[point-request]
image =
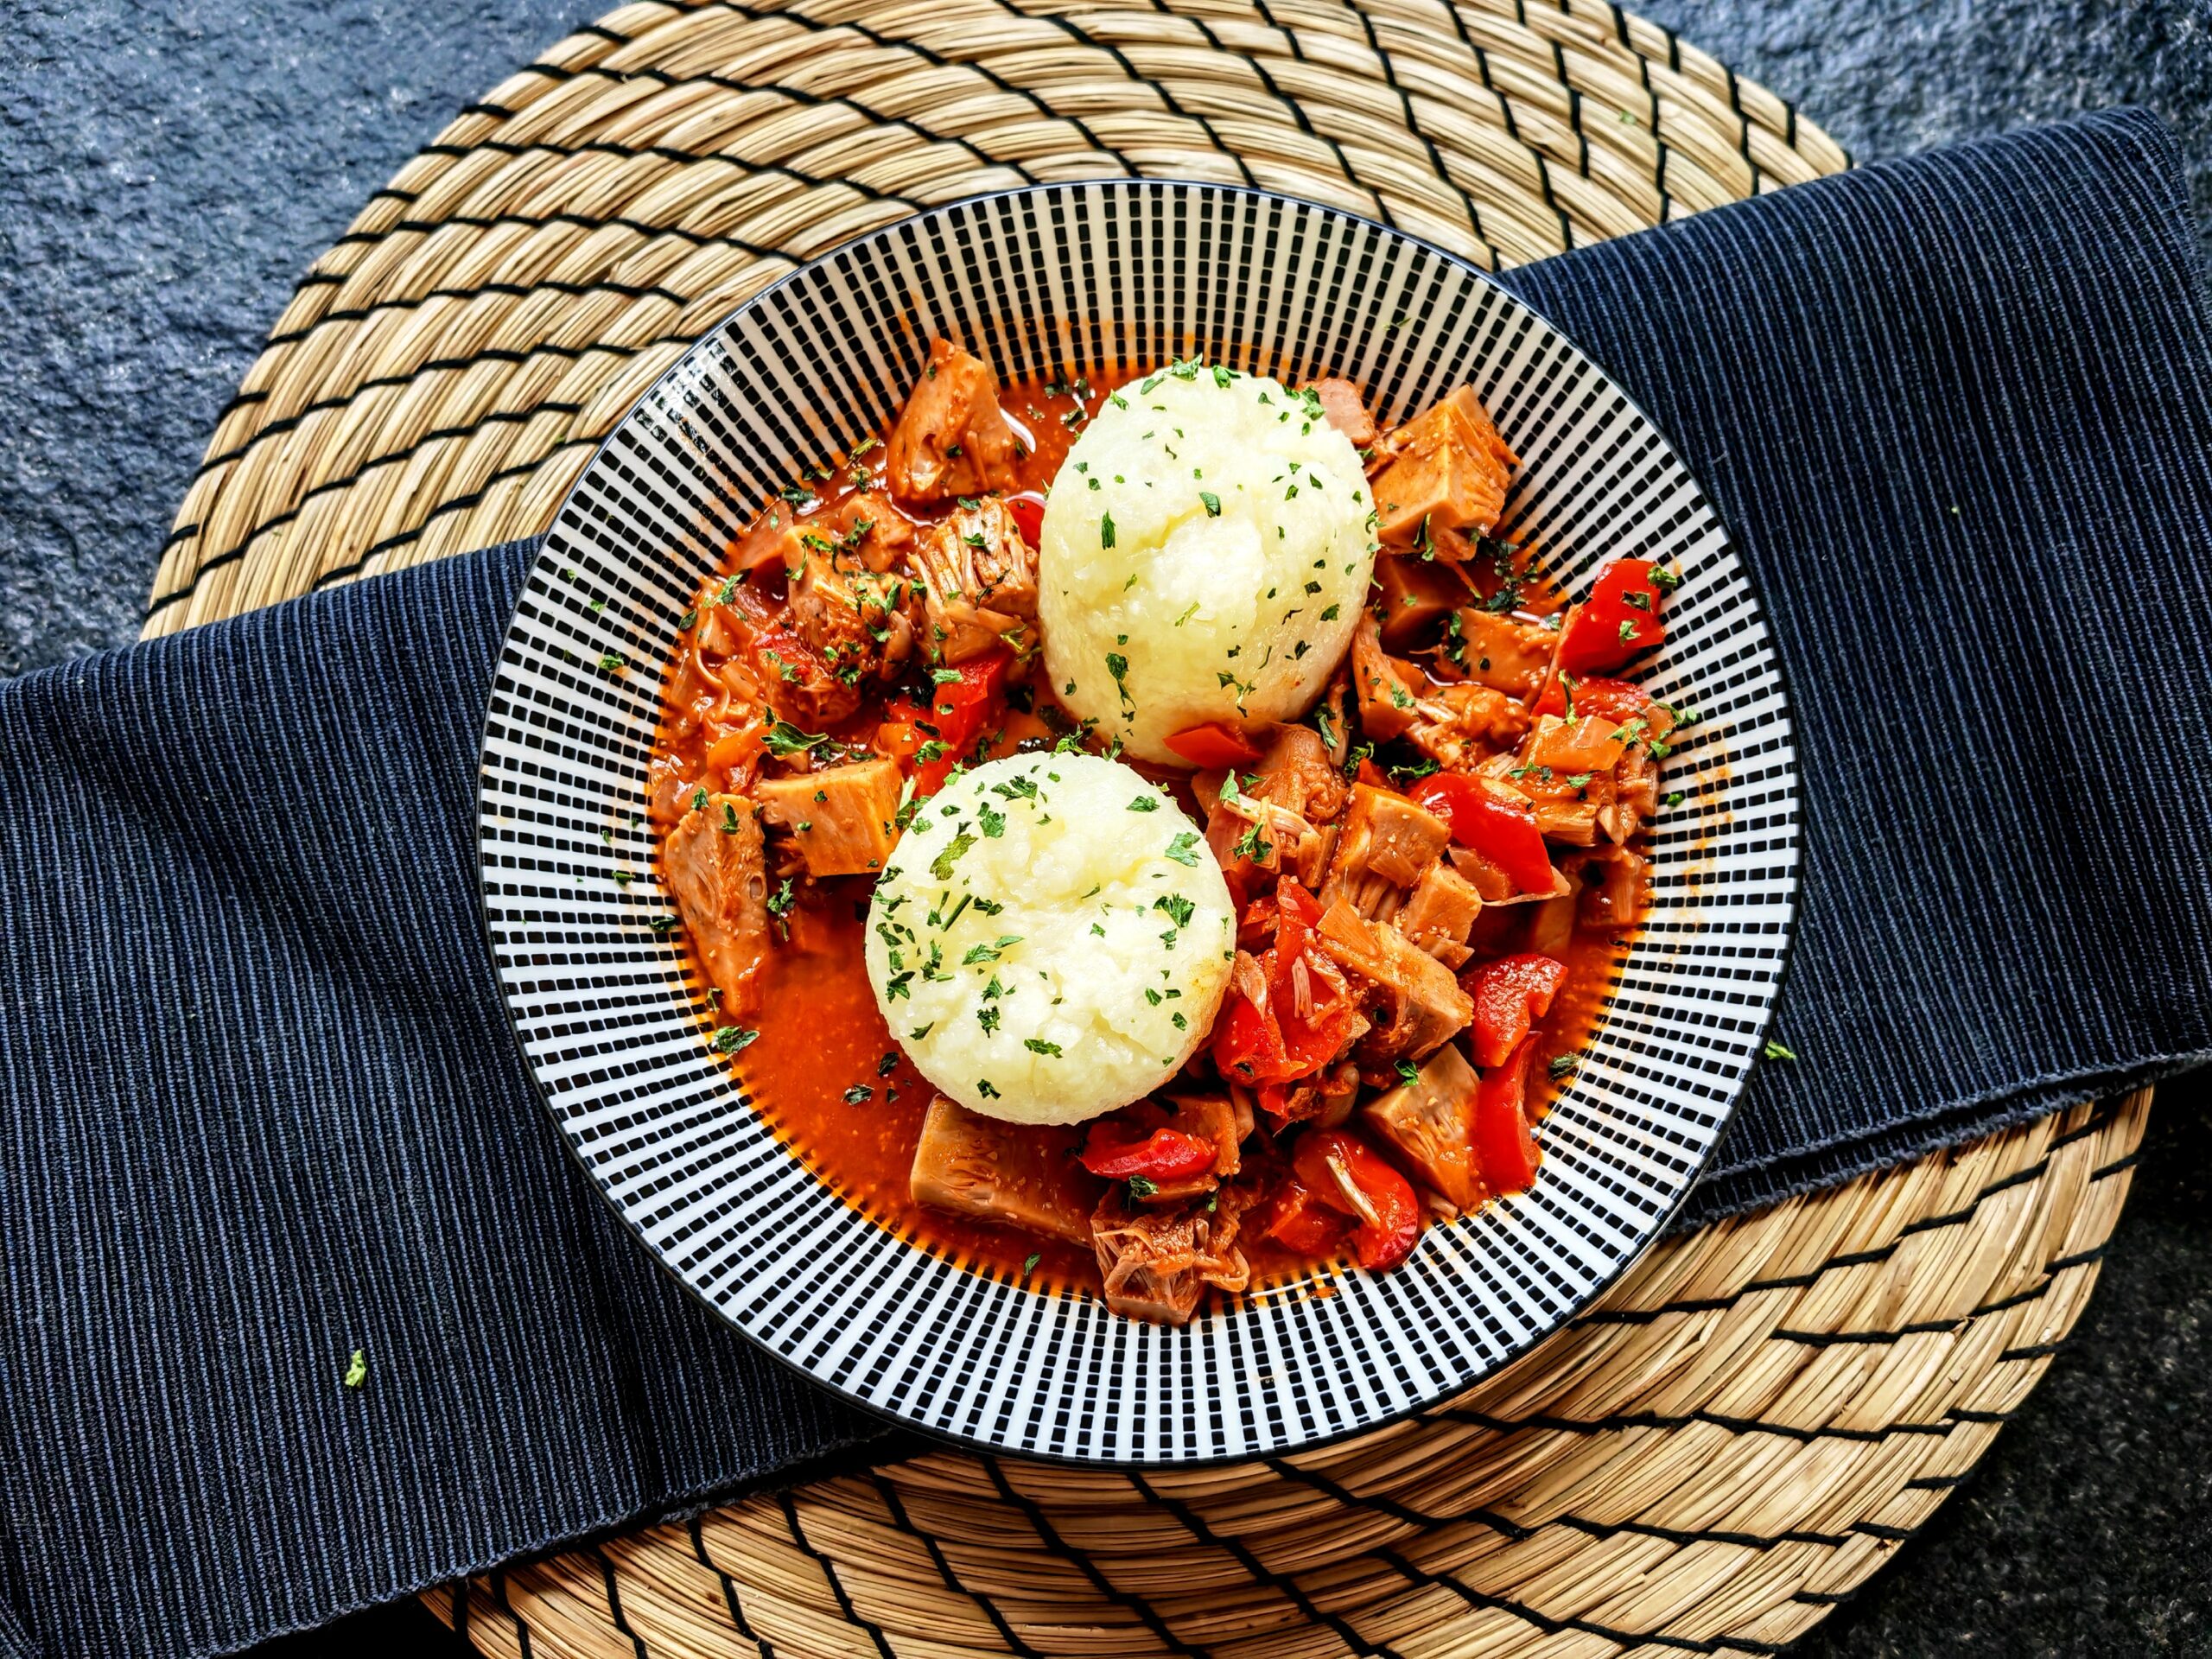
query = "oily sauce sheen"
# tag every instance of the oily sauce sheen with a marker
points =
(825, 1071)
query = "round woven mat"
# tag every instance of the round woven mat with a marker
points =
(1755, 1418)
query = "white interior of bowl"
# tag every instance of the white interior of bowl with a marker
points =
(1056, 280)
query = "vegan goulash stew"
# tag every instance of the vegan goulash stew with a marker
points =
(1434, 868)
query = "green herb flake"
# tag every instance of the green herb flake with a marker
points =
(957, 849)
(1211, 503)
(785, 740)
(1039, 1045)
(1184, 849)
(729, 1039)
(356, 1369)
(1776, 1051)
(1145, 803)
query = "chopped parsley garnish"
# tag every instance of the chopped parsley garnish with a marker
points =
(1407, 1072)
(1776, 1051)
(1039, 1045)
(987, 1018)
(945, 676)
(728, 1039)
(613, 661)
(1562, 1064)
(993, 821)
(989, 952)
(1177, 907)
(957, 849)
(1141, 1188)
(1184, 849)
(1212, 502)
(888, 1065)
(1145, 803)
(983, 1088)
(1106, 529)
(356, 1369)
(785, 740)
(858, 1094)
(1029, 1263)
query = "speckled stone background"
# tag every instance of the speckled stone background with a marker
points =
(168, 167)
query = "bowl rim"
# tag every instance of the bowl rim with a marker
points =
(978, 1445)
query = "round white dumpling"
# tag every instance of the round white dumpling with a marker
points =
(1206, 549)
(1050, 939)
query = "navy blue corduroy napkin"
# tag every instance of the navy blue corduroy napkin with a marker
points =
(261, 1109)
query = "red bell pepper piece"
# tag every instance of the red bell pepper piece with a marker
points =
(1027, 509)
(1216, 743)
(1247, 1042)
(1114, 1153)
(1488, 821)
(1301, 1223)
(958, 712)
(1620, 618)
(1615, 700)
(1510, 994)
(1348, 1175)
(1505, 1145)
(1274, 1042)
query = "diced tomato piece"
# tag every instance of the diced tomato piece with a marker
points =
(1027, 509)
(1491, 823)
(1216, 743)
(1348, 1175)
(1301, 1222)
(1621, 700)
(1505, 1145)
(1247, 1042)
(1510, 994)
(1115, 1152)
(947, 728)
(1620, 618)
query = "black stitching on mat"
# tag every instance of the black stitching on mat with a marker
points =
(889, 1494)
(586, 221)
(1195, 1524)
(511, 290)
(877, 37)
(1074, 32)
(2117, 1165)
(729, 1591)
(459, 504)
(2034, 1350)
(666, 153)
(615, 1602)
(498, 417)
(1935, 1483)
(830, 1572)
(436, 366)
(1052, 1539)
(499, 1598)
(1549, 1625)
(1853, 1259)
(800, 96)
(1390, 1506)
(491, 354)
(1616, 1422)
(1413, 124)
(1512, 127)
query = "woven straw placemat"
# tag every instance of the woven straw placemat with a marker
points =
(1754, 1419)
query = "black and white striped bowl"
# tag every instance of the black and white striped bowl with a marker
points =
(1056, 280)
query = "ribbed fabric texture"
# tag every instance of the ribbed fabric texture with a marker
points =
(261, 1108)
(1957, 413)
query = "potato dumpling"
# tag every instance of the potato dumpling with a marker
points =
(1206, 549)
(1052, 937)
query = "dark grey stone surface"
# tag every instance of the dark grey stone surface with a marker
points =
(167, 168)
